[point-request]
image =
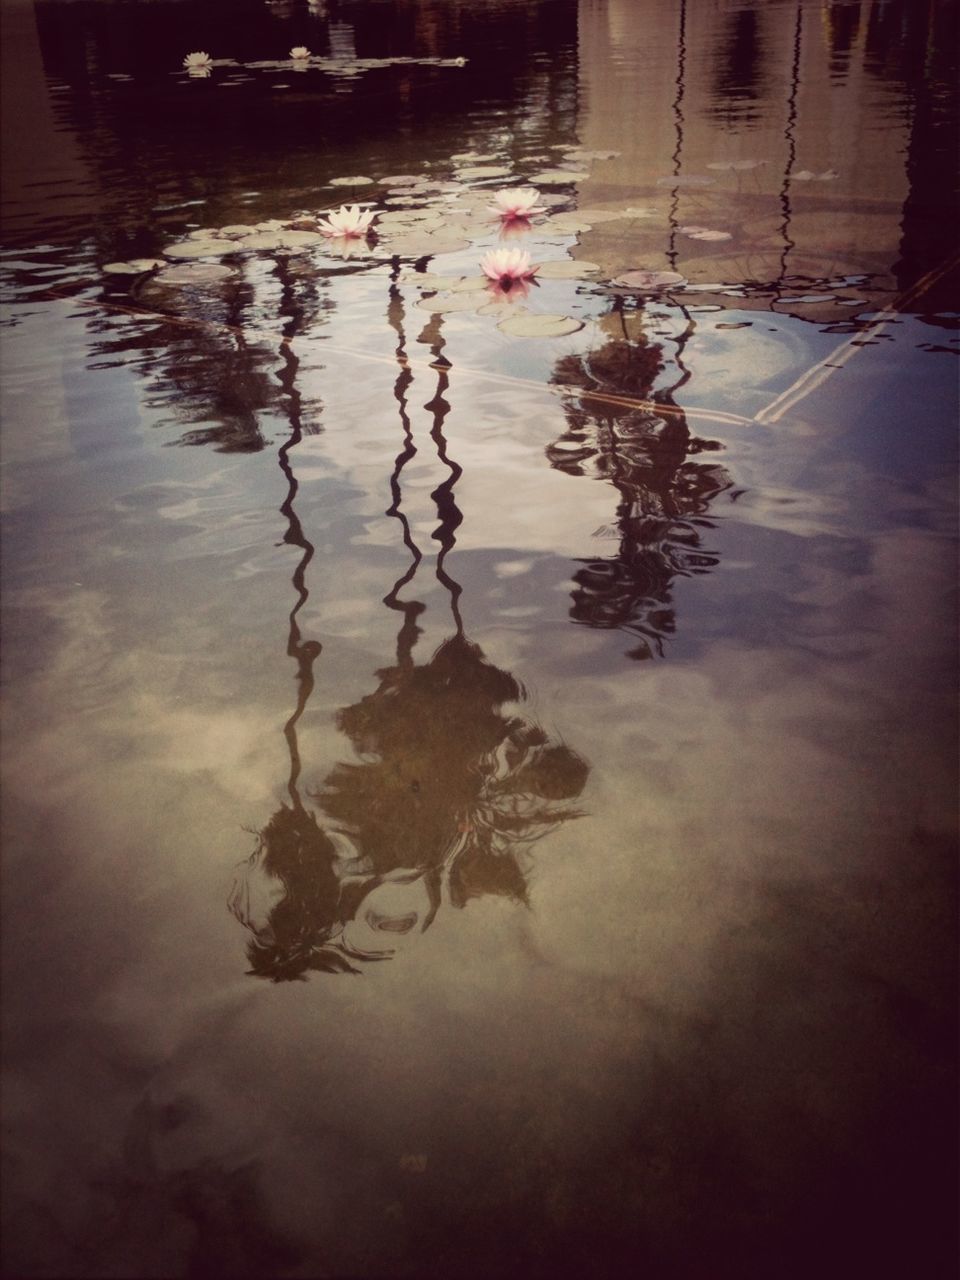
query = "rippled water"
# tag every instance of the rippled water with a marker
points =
(480, 804)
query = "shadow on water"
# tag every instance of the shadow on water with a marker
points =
(451, 790)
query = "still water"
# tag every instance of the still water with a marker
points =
(479, 804)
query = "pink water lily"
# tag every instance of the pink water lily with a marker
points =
(506, 266)
(349, 220)
(521, 203)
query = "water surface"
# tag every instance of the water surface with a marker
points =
(474, 804)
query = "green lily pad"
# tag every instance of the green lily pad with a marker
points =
(448, 302)
(428, 280)
(135, 267)
(484, 171)
(201, 248)
(650, 281)
(537, 326)
(194, 273)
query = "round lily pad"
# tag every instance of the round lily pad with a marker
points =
(350, 182)
(194, 273)
(565, 269)
(536, 326)
(471, 284)
(428, 280)
(650, 281)
(449, 302)
(483, 171)
(201, 248)
(135, 267)
(418, 246)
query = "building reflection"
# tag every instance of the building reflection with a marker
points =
(817, 135)
(625, 428)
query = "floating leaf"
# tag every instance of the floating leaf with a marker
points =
(649, 281)
(448, 302)
(399, 180)
(536, 326)
(502, 309)
(350, 182)
(237, 229)
(418, 246)
(429, 280)
(194, 273)
(135, 267)
(292, 241)
(484, 171)
(565, 269)
(471, 284)
(201, 248)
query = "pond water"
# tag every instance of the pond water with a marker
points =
(479, 804)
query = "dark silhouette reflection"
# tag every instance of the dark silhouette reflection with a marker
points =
(450, 785)
(651, 458)
(842, 22)
(740, 78)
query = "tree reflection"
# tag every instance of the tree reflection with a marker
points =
(628, 431)
(450, 784)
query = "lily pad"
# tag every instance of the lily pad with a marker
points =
(566, 269)
(418, 246)
(429, 280)
(448, 302)
(471, 284)
(350, 182)
(650, 281)
(236, 230)
(291, 241)
(484, 171)
(194, 273)
(537, 326)
(201, 248)
(135, 267)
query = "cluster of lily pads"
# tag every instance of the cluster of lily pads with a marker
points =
(431, 219)
(200, 64)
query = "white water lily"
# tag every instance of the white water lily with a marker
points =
(521, 203)
(506, 266)
(301, 51)
(198, 61)
(349, 220)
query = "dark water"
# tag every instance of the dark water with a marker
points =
(480, 805)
